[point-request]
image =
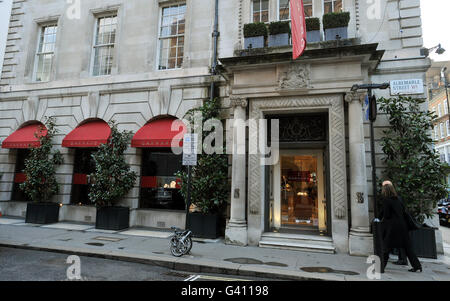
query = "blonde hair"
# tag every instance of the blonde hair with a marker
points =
(388, 190)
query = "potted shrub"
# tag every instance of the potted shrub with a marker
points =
(40, 184)
(312, 30)
(336, 25)
(254, 35)
(209, 183)
(279, 33)
(112, 180)
(413, 165)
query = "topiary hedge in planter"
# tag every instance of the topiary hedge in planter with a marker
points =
(279, 33)
(255, 30)
(41, 183)
(413, 165)
(312, 30)
(336, 25)
(335, 20)
(209, 181)
(254, 35)
(279, 27)
(312, 24)
(113, 178)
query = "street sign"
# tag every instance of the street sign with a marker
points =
(189, 159)
(407, 87)
(366, 108)
(190, 143)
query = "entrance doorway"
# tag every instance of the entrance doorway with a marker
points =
(299, 202)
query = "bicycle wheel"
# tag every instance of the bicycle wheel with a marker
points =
(188, 243)
(175, 247)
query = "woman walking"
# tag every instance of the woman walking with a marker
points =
(395, 229)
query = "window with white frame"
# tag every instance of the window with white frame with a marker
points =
(105, 39)
(439, 110)
(284, 12)
(284, 9)
(447, 124)
(308, 7)
(445, 107)
(332, 6)
(171, 37)
(45, 52)
(436, 137)
(441, 127)
(260, 11)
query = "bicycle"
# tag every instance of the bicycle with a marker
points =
(180, 242)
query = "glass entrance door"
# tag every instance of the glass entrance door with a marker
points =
(299, 192)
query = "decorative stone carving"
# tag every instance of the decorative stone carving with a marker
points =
(302, 128)
(360, 197)
(238, 101)
(355, 96)
(30, 108)
(296, 77)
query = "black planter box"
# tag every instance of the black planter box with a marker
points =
(112, 218)
(424, 242)
(42, 213)
(204, 226)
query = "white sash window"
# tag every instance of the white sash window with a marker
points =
(45, 53)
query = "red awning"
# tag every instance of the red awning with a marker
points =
(91, 134)
(159, 133)
(25, 137)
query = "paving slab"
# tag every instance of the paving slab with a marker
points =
(9, 221)
(101, 231)
(147, 233)
(68, 226)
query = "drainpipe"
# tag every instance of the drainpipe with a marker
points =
(215, 36)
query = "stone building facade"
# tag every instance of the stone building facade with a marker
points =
(140, 62)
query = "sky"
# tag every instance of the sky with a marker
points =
(436, 26)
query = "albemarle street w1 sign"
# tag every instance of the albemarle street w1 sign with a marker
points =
(407, 87)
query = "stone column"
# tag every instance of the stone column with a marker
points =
(236, 230)
(361, 241)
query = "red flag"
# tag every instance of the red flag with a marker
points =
(298, 28)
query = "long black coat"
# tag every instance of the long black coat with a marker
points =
(395, 230)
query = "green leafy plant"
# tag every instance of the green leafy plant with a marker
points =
(279, 27)
(209, 180)
(255, 30)
(312, 24)
(412, 164)
(113, 177)
(40, 166)
(334, 20)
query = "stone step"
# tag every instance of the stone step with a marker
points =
(308, 243)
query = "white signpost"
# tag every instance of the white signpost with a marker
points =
(190, 143)
(407, 87)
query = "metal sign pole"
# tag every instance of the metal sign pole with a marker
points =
(189, 159)
(376, 225)
(188, 201)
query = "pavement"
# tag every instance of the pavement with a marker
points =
(151, 246)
